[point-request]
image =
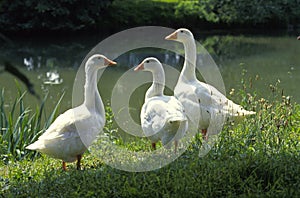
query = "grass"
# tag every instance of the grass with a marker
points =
(21, 126)
(258, 157)
(167, 1)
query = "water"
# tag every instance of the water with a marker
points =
(51, 65)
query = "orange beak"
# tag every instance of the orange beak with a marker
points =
(172, 36)
(139, 67)
(109, 62)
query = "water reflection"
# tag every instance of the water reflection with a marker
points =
(53, 63)
(53, 78)
(49, 77)
(28, 62)
(134, 57)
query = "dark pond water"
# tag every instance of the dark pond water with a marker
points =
(51, 65)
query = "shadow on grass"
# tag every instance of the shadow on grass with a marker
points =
(210, 176)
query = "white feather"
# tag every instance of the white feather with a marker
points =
(74, 130)
(204, 104)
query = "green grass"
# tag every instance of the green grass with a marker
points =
(258, 157)
(167, 1)
(21, 126)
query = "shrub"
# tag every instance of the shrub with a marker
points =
(59, 15)
(130, 13)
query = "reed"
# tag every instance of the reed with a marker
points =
(21, 125)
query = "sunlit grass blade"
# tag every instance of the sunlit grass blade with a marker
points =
(54, 112)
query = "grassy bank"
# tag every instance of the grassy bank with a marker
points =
(257, 157)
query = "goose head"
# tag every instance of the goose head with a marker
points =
(98, 61)
(180, 35)
(298, 38)
(149, 64)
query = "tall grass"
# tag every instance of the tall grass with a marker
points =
(21, 126)
(273, 131)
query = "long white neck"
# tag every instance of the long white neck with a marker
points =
(92, 99)
(188, 70)
(157, 87)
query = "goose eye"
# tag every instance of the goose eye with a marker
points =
(147, 61)
(181, 31)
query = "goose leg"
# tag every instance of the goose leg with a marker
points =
(204, 134)
(154, 146)
(78, 162)
(176, 145)
(64, 166)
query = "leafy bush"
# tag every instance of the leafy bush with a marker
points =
(253, 12)
(193, 10)
(129, 13)
(59, 15)
(115, 15)
(239, 12)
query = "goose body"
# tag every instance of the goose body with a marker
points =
(72, 132)
(162, 117)
(62, 140)
(201, 101)
(207, 100)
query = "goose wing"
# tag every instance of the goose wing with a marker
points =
(157, 111)
(65, 127)
(214, 100)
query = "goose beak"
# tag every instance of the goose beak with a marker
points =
(172, 36)
(139, 67)
(109, 62)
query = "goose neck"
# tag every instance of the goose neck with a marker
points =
(92, 99)
(188, 71)
(157, 87)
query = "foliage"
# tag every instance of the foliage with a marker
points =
(21, 126)
(129, 13)
(193, 10)
(204, 12)
(253, 12)
(60, 15)
(115, 15)
(240, 12)
(273, 132)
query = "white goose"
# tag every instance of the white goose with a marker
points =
(162, 117)
(200, 100)
(72, 132)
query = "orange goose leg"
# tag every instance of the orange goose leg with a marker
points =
(154, 146)
(78, 162)
(64, 166)
(204, 134)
